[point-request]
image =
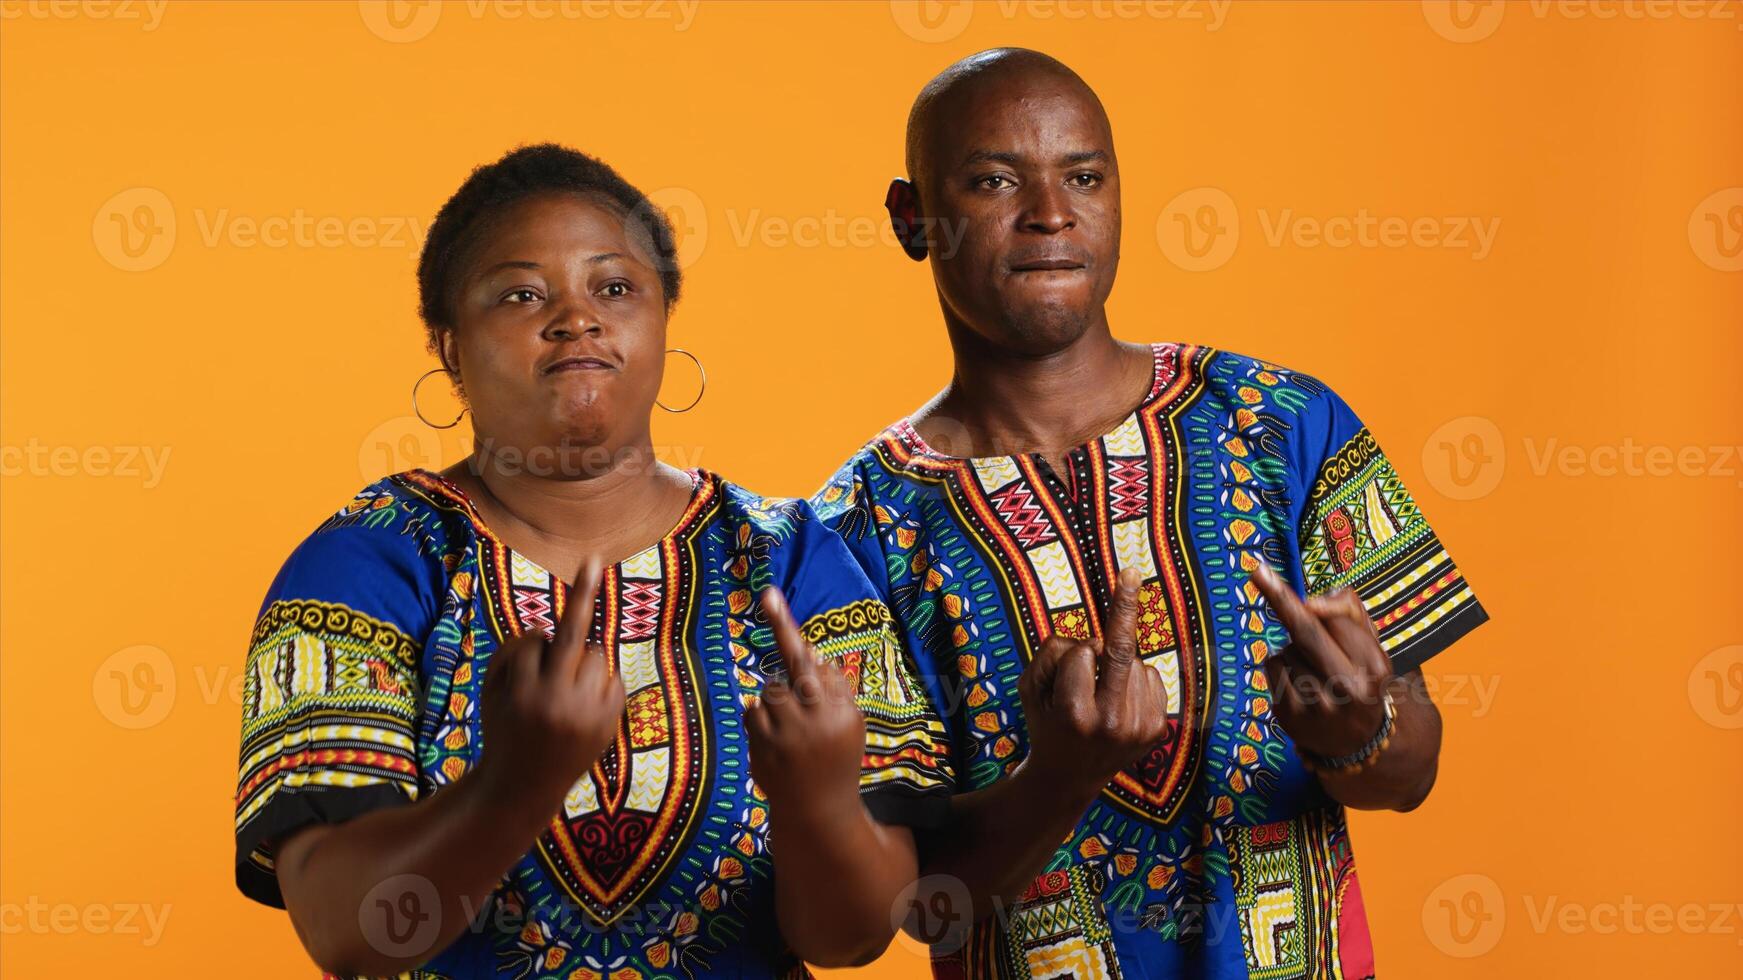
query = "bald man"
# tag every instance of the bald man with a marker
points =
(1173, 601)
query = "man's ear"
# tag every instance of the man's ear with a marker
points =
(903, 203)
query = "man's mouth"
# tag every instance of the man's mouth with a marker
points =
(1047, 265)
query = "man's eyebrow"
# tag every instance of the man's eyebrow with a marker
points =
(1084, 156)
(994, 156)
(1016, 159)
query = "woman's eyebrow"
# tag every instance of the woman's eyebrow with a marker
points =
(510, 264)
(527, 264)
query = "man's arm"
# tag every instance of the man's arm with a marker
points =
(1092, 709)
(1328, 688)
(1402, 776)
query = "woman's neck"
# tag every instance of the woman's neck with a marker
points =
(610, 514)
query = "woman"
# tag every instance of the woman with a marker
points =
(454, 762)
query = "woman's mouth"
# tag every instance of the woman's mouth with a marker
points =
(579, 364)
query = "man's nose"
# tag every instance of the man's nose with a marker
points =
(1047, 210)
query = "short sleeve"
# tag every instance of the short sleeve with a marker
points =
(905, 775)
(1359, 528)
(329, 698)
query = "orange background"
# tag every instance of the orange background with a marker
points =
(1604, 767)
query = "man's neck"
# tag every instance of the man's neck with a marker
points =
(1001, 404)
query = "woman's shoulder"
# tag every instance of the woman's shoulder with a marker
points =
(780, 517)
(405, 527)
(418, 506)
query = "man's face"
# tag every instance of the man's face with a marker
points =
(1022, 168)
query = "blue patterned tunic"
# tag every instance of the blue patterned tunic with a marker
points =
(363, 685)
(1217, 855)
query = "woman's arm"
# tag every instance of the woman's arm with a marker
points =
(839, 874)
(360, 892)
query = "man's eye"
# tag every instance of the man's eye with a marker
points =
(616, 288)
(516, 296)
(1086, 180)
(993, 182)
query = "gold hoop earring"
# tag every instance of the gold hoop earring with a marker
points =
(699, 370)
(419, 413)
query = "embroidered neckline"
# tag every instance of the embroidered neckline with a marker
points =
(905, 433)
(703, 486)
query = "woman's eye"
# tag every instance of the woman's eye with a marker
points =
(521, 296)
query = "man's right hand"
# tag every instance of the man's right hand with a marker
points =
(550, 706)
(1086, 724)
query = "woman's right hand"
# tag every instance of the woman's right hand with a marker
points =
(550, 706)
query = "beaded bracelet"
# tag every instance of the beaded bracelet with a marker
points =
(1363, 757)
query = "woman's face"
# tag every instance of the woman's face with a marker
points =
(560, 335)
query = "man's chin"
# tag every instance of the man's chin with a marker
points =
(1043, 328)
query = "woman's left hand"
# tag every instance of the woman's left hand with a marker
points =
(807, 736)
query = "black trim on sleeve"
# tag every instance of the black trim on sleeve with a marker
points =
(1438, 637)
(902, 806)
(292, 810)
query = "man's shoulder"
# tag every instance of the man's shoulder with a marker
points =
(1222, 364)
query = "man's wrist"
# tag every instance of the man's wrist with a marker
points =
(816, 808)
(1055, 789)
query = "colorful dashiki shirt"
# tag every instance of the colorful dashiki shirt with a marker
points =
(363, 686)
(1217, 855)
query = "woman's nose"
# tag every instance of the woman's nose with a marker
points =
(572, 322)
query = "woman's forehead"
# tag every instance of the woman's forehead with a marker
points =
(565, 224)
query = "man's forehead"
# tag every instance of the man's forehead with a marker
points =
(1038, 126)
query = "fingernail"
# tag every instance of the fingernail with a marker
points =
(773, 601)
(1129, 577)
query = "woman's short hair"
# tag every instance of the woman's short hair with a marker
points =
(529, 171)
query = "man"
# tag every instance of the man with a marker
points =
(1077, 534)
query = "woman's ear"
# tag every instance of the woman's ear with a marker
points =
(903, 203)
(448, 349)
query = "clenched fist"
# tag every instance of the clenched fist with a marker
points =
(1091, 706)
(807, 736)
(550, 706)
